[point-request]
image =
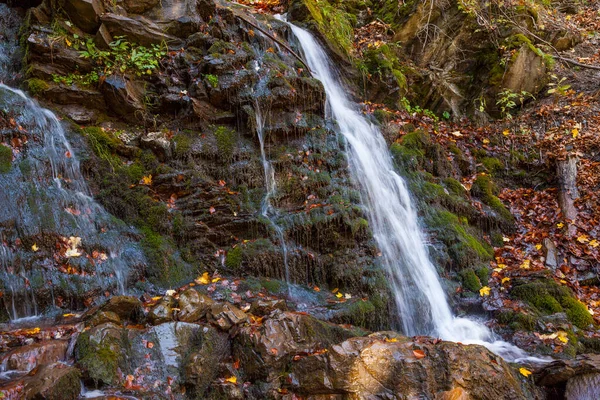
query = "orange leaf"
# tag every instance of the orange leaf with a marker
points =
(419, 354)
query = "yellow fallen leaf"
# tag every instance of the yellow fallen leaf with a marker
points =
(204, 279)
(215, 280)
(457, 133)
(560, 225)
(538, 246)
(484, 291)
(485, 141)
(501, 266)
(392, 340)
(505, 239)
(575, 133)
(506, 132)
(35, 247)
(526, 264)
(147, 180)
(231, 379)
(335, 290)
(339, 295)
(504, 280)
(524, 371)
(583, 239)
(562, 336)
(594, 243)
(68, 42)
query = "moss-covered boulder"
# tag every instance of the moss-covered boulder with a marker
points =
(98, 353)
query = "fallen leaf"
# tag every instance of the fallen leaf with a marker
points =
(35, 247)
(484, 291)
(419, 354)
(231, 379)
(524, 371)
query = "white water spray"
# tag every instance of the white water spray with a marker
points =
(414, 281)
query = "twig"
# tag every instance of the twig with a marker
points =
(285, 46)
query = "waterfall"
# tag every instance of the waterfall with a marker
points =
(55, 239)
(415, 284)
(267, 209)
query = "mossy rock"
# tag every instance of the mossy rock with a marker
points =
(6, 156)
(470, 280)
(37, 86)
(484, 188)
(99, 360)
(547, 297)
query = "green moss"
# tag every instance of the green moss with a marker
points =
(165, 266)
(577, 312)
(492, 165)
(234, 258)
(484, 188)
(455, 187)
(100, 361)
(103, 144)
(6, 157)
(383, 62)
(183, 145)
(334, 23)
(226, 140)
(470, 281)
(465, 249)
(272, 286)
(360, 312)
(483, 274)
(37, 86)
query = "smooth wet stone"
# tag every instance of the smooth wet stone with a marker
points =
(226, 315)
(193, 306)
(56, 381)
(126, 307)
(26, 358)
(163, 311)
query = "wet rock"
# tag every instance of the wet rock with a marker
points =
(26, 358)
(123, 96)
(62, 60)
(158, 143)
(80, 115)
(203, 364)
(226, 315)
(102, 317)
(266, 349)
(206, 9)
(193, 306)
(84, 13)
(56, 381)
(139, 6)
(381, 367)
(103, 38)
(262, 307)
(559, 372)
(139, 30)
(177, 17)
(62, 94)
(163, 311)
(98, 352)
(126, 307)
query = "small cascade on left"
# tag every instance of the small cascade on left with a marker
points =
(57, 245)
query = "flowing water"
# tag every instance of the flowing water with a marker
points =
(55, 240)
(418, 293)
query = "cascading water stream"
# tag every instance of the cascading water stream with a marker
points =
(267, 209)
(418, 293)
(73, 245)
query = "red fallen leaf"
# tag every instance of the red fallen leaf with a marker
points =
(274, 351)
(419, 354)
(236, 364)
(149, 345)
(212, 210)
(68, 154)
(221, 183)
(169, 380)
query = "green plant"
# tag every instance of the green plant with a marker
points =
(508, 100)
(124, 56)
(213, 80)
(6, 156)
(558, 88)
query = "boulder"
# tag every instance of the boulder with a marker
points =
(203, 364)
(102, 317)
(268, 348)
(526, 73)
(80, 115)
(139, 6)
(163, 311)
(226, 315)
(262, 307)
(158, 143)
(103, 38)
(385, 365)
(56, 381)
(138, 30)
(98, 353)
(127, 308)
(84, 13)
(28, 357)
(193, 306)
(124, 97)
(559, 372)
(177, 17)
